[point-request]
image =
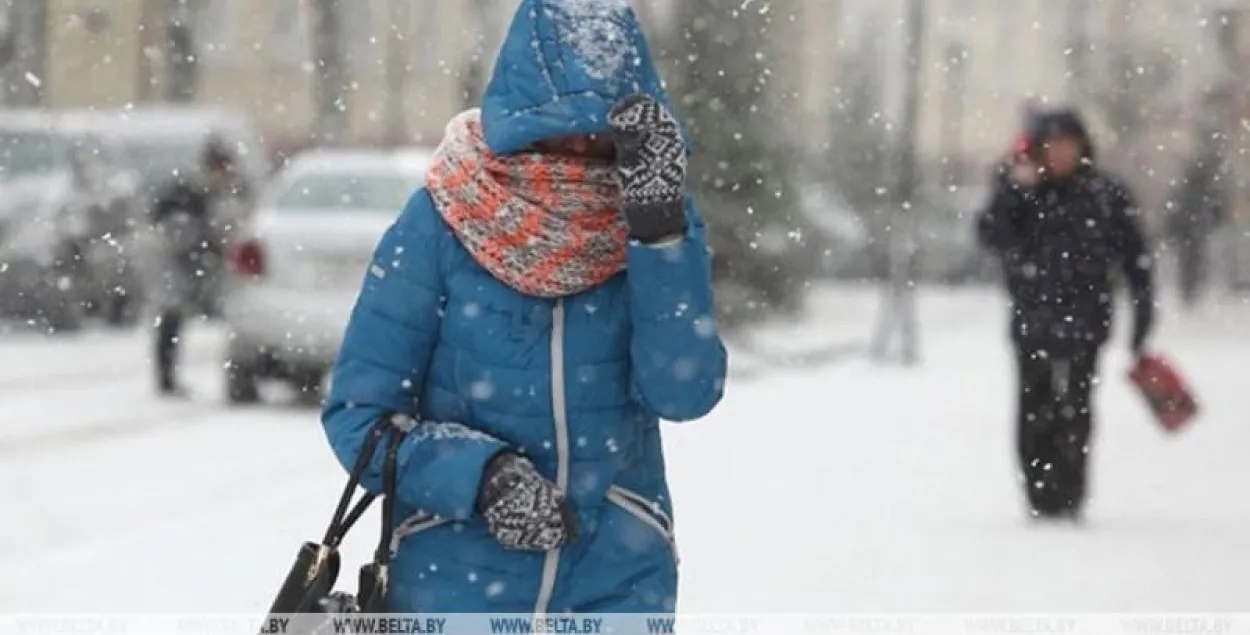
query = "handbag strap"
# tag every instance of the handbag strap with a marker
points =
(382, 554)
(345, 514)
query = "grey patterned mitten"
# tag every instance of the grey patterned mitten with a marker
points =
(522, 509)
(651, 167)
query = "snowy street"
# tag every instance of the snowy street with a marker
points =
(849, 487)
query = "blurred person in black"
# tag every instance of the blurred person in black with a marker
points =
(1062, 228)
(190, 224)
(1197, 207)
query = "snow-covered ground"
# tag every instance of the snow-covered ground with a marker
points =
(840, 486)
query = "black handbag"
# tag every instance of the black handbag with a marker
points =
(309, 586)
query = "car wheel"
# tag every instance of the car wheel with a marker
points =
(241, 383)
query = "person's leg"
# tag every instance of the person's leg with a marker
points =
(168, 333)
(1033, 427)
(1074, 427)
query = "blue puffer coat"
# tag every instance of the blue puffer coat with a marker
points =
(577, 384)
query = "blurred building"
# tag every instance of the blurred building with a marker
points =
(413, 63)
(257, 56)
(985, 60)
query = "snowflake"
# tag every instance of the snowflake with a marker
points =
(482, 390)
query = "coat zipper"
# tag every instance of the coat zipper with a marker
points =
(559, 412)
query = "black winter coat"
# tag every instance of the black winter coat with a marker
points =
(188, 260)
(1061, 244)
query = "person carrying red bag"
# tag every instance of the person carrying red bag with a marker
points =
(1061, 227)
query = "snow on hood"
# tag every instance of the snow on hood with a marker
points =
(562, 66)
(595, 30)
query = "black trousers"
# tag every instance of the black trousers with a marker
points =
(168, 335)
(1054, 425)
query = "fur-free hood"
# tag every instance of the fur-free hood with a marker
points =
(564, 64)
(1049, 124)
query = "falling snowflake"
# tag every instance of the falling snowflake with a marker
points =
(705, 327)
(482, 390)
(685, 369)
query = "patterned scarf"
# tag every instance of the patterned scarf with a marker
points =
(547, 226)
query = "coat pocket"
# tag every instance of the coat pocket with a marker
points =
(649, 512)
(413, 525)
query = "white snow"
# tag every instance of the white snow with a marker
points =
(849, 486)
(597, 32)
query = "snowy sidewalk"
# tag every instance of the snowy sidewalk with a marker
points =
(840, 487)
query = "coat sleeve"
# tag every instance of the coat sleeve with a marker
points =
(1135, 258)
(679, 361)
(381, 371)
(998, 227)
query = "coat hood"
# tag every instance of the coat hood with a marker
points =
(563, 65)
(1045, 125)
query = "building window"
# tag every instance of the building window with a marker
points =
(289, 33)
(425, 47)
(363, 46)
(214, 30)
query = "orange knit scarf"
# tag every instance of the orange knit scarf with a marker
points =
(547, 226)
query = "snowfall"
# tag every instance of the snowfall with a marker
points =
(822, 483)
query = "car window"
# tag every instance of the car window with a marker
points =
(328, 191)
(160, 160)
(27, 152)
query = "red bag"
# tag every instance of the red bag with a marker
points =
(1165, 391)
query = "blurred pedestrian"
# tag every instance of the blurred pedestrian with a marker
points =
(190, 250)
(1062, 227)
(529, 319)
(1197, 207)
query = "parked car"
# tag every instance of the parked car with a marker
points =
(300, 261)
(68, 213)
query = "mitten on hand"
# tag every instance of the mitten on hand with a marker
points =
(651, 168)
(522, 509)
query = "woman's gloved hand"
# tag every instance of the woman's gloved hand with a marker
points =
(522, 509)
(651, 168)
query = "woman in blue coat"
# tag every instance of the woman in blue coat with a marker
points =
(530, 317)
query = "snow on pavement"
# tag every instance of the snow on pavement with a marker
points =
(846, 487)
